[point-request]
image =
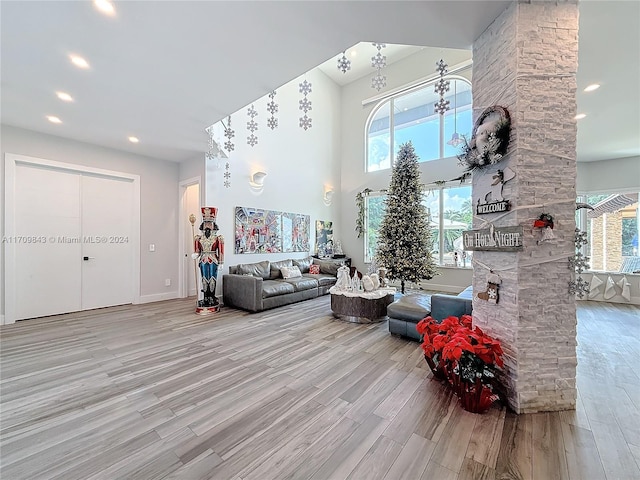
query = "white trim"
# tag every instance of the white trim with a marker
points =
(183, 185)
(2, 319)
(11, 161)
(157, 297)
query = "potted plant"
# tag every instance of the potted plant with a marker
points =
(466, 357)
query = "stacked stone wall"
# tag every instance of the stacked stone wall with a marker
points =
(526, 61)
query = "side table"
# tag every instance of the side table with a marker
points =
(362, 307)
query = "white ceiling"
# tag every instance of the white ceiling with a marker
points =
(164, 71)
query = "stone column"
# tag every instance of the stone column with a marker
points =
(526, 61)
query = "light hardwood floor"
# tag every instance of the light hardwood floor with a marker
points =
(155, 391)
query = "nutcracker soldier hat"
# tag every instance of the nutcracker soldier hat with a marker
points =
(209, 215)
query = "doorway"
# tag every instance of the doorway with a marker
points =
(189, 205)
(73, 242)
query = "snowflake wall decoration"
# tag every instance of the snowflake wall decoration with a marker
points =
(252, 126)
(227, 176)
(229, 134)
(441, 87)
(344, 63)
(579, 263)
(305, 105)
(272, 108)
(578, 287)
(379, 61)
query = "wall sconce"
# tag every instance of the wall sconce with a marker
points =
(328, 196)
(256, 181)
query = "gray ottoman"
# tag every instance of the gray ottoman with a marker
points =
(406, 312)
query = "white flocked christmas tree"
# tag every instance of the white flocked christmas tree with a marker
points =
(404, 244)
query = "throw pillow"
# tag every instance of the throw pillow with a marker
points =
(314, 269)
(277, 266)
(291, 272)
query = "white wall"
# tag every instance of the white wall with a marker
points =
(158, 202)
(620, 174)
(354, 179)
(299, 164)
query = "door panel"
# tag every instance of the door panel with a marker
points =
(107, 276)
(47, 247)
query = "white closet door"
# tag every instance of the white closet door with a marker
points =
(47, 248)
(107, 253)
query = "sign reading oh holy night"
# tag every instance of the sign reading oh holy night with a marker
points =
(496, 239)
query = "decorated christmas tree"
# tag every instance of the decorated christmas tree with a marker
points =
(404, 244)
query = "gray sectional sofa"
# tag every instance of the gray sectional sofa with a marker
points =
(260, 286)
(408, 310)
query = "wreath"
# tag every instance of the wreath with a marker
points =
(489, 139)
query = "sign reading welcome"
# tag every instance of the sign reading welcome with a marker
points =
(497, 239)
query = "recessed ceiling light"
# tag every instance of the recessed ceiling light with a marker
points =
(79, 61)
(65, 97)
(134, 139)
(353, 53)
(53, 119)
(580, 116)
(592, 87)
(105, 6)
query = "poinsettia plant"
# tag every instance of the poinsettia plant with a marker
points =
(463, 355)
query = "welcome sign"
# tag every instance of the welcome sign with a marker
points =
(497, 239)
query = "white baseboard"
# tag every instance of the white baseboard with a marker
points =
(615, 299)
(157, 297)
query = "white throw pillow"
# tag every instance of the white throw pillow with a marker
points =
(290, 272)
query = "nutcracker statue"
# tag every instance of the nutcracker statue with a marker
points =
(209, 253)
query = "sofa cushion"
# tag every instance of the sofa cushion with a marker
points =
(322, 279)
(314, 269)
(302, 283)
(327, 267)
(303, 263)
(260, 269)
(273, 288)
(276, 266)
(290, 272)
(443, 306)
(412, 307)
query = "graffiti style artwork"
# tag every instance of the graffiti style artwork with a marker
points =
(270, 231)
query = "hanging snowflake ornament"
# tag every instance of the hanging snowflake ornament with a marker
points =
(252, 126)
(579, 287)
(272, 123)
(305, 88)
(441, 106)
(305, 122)
(229, 134)
(580, 238)
(378, 82)
(441, 87)
(579, 262)
(227, 176)
(272, 108)
(344, 64)
(305, 105)
(379, 61)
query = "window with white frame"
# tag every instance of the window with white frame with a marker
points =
(613, 228)
(450, 211)
(410, 116)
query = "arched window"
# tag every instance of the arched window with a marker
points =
(410, 115)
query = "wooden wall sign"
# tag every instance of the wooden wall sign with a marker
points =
(496, 239)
